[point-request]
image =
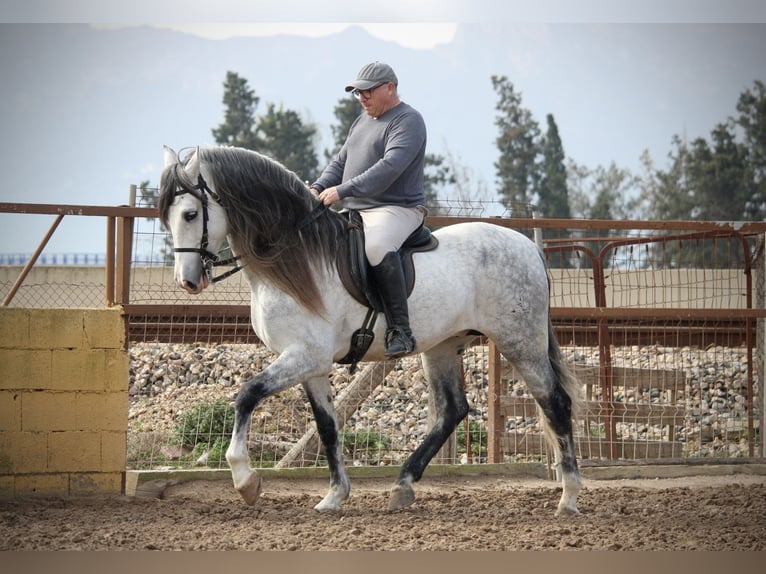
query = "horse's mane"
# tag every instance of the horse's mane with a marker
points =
(268, 209)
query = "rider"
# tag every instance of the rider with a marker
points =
(379, 172)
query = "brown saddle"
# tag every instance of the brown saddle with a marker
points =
(354, 270)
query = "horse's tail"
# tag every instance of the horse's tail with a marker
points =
(566, 380)
(566, 383)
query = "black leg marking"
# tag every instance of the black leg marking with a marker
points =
(327, 427)
(442, 367)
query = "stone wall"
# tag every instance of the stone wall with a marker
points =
(63, 401)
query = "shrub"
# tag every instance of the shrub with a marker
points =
(205, 425)
(363, 441)
(478, 435)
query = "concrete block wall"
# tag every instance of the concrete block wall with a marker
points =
(63, 401)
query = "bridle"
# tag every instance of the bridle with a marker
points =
(209, 259)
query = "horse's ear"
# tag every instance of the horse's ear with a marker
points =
(169, 155)
(192, 166)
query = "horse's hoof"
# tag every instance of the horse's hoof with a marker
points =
(251, 489)
(401, 497)
(332, 501)
(326, 507)
(567, 511)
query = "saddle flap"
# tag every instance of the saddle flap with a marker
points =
(353, 267)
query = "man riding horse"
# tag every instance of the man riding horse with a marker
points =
(379, 172)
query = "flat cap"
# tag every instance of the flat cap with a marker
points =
(372, 75)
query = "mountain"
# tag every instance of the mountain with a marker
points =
(85, 111)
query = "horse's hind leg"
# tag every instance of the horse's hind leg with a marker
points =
(319, 393)
(544, 382)
(448, 405)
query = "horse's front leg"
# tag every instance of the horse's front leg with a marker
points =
(320, 396)
(286, 371)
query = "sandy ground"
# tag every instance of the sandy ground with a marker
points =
(450, 513)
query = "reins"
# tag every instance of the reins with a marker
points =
(313, 215)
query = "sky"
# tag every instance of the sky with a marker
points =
(267, 11)
(428, 23)
(419, 36)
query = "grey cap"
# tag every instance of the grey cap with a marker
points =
(373, 75)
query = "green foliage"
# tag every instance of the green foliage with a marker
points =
(215, 451)
(346, 111)
(554, 195)
(719, 178)
(206, 425)
(477, 434)
(437, 174)
(285, 138)
(239, 125)
(554, 200)
(518, 142)
(279, 134)
(354, 441)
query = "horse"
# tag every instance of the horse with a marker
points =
(483, 279)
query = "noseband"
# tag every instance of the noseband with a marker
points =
(209, 259)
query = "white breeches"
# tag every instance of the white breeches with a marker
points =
(386, 228)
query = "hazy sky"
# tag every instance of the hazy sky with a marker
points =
(427, 23)
(421, 36)
(390, 11)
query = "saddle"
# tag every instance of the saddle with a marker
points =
(354, 272)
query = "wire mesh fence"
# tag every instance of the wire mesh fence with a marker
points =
(181, 415)
(682, 383)
(667, 403)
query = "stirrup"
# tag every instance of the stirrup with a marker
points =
(398, 343)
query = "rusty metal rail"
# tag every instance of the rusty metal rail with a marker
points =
(598, 326)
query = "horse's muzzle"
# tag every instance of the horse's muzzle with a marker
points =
(195, 288)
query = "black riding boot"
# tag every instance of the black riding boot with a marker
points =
(389, 281)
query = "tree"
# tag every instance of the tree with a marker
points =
(468, 192)
(519, 147)
(284, 137)
(578, 176)
(610, 189)
(239, 127)
(437, 174)
(667, 194)
(346, 111)
(279, 134)
(723, 178)
(752, 120)
(718, 177)
(554, 196)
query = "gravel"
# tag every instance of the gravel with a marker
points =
(167, 380)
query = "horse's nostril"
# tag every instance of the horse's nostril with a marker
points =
(191, 285)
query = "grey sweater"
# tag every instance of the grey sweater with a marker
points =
(381, 162)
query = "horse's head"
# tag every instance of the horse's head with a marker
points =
(190, 208)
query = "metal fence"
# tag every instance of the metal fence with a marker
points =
(661, 320)
(659, 324)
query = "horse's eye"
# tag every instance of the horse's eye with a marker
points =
(190, 215)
